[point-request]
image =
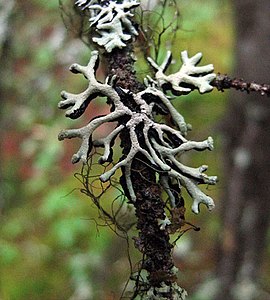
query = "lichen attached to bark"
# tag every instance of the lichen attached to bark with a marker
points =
(161, 145)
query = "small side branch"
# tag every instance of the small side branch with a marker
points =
(223, 82)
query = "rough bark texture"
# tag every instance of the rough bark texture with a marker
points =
(246, 203)
(121, 64)
(223, 82)
(152, 242)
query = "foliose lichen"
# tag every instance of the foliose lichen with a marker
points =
(160, 144)
(111, 20)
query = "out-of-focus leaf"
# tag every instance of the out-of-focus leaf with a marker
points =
(9, 253)
(44, 57)
(12, 228)
(67, 231)
(56, 202)
(48, 4)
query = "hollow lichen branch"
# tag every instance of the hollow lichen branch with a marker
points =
(182, 82)
(111, 21)
(160, 144)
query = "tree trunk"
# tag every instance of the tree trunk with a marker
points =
(246, 203)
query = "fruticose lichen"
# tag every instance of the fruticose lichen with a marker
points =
(111, 21)
(160, 144)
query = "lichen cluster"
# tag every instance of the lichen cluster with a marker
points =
(155, 293)
(160, 144)
(186, 79)
(111, 21)
(152, 147)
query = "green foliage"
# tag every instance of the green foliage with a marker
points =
(9, 253)
(48, 4)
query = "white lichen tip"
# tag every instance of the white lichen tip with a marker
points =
(187, 78)
(112, 22)
(85, 3)
(163, 223)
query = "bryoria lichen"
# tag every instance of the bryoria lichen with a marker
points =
(160, 144)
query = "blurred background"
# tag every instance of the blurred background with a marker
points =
(50, 247)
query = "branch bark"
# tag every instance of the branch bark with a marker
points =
(152, 241)
(223, 82)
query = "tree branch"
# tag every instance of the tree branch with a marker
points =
(222, 82)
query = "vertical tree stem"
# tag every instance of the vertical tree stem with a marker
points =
(152, 241)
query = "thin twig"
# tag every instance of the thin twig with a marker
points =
(223, 82)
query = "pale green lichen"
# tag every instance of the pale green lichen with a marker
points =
(83, 4)
(111, 21)
(160, 293)
(160, 144)
(183, 81)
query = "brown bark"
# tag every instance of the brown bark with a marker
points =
(223, 82)
(246, 203)
(152, 241)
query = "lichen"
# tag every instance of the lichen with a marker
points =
(83, 4)
(187, 78)
(160, 144)
(160, 293)
(111, 21)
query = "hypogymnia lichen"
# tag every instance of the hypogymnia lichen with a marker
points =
(151, 149)
(111, 20)
(160, 144)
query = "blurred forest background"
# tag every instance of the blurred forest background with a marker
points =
(50, 247)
